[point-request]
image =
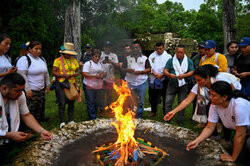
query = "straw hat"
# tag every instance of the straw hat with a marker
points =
(68, 48)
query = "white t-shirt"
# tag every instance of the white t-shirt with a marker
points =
(158, 63)
(236, 114)
(93, 68)
(138, 65)
(5, 64)
(109, 68)
(37, 71)
(221, 76)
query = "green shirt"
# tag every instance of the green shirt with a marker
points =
(171, 70)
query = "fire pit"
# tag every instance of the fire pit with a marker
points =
(135, 142)
(73, 145)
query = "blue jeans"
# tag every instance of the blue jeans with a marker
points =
(138, 93)
(92, 101)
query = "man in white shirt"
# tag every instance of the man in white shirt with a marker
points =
(109, 61)
(157, 82)
(137, 68)
(12, 105)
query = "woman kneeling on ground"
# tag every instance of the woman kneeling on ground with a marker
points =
(233, 110)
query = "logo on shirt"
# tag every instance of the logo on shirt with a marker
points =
(233, 118)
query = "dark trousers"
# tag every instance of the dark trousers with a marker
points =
(172, 91)
(93, 101)
(36, 104)
(108, 87)
(62, 100)
(157, 91)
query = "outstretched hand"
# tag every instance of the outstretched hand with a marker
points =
(46, 135)
(192, 145)
(169, 116)
(226, 157)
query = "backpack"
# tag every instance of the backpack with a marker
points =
(28, 59)
(216, 58)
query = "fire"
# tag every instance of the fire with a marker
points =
(125, 123)
(126, 148)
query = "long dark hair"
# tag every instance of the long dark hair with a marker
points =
(206, 70)
(4, 36)
(223, 88)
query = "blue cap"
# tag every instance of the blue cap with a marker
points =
(88, 45)
(245, 41)
(210, 44)
(107, 43)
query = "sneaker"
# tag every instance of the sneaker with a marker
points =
(62, 124)
(147, 109)
(72, 122)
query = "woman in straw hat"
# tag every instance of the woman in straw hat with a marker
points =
(65, 68)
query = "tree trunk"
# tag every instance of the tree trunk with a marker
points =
(228, 21)
(72, 32)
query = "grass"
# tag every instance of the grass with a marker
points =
(80, 114)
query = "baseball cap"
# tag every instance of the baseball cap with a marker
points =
(201, 44)
(107, 43)
(245, 41)
(210, 44)
(88, 45)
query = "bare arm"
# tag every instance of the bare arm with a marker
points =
(188, 74)
(206, 132)
(31, 122)
(166, 73)
(239, 139)
(180, 107)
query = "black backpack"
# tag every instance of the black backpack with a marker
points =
(28, 59)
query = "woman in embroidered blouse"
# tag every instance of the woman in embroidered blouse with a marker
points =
(65, 67)
(5, 64)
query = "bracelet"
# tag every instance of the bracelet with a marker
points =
(41, 132)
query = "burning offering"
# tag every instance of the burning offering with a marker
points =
(127, 150)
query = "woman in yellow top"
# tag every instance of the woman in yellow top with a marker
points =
(213, 57)
(65, 67)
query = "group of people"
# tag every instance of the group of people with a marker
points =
(218, 85)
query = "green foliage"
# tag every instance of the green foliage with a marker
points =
(113, 20)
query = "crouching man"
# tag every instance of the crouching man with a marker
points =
(12, 107)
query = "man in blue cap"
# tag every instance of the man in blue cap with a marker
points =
(242, 65)
(214, 58)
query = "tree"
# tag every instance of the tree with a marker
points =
(72, 29)
(228, 21)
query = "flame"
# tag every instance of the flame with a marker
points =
(125, 122)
